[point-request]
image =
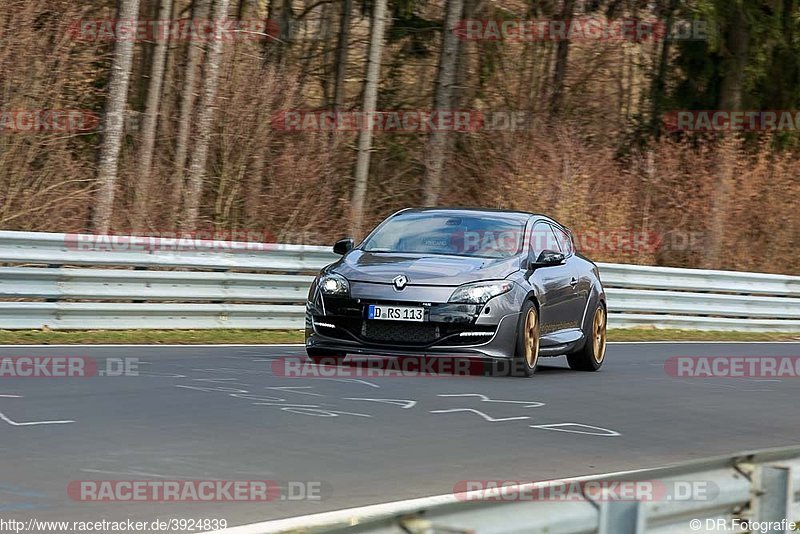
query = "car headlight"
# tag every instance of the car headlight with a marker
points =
(334, 284)
(479, 293)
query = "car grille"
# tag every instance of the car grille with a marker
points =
(403, 333)
(400, 333)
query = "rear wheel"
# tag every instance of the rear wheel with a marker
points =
(593, 353)
(526, 356)
(325, 357)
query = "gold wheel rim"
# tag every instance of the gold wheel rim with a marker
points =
(531, 338)
(599, 330)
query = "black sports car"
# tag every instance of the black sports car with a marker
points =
(506, 286)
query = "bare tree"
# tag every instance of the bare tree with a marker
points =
(341, 54)
(169, 95)
(197, 169)
(658, 87)
(150, 123)
(461, 84)
(108, 166)
(370, 101)
(200, 9)
(730, 98)
(437, 145)
(562, 56)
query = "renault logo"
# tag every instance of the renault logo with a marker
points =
(400, 282)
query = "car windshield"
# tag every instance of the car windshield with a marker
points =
(456, 234)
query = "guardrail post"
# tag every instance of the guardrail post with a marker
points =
(622, 517)
(773, 497)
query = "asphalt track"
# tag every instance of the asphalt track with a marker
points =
(214, 413)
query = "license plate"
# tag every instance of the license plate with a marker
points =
(396, 313)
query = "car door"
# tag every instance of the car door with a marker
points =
(557, 298)
(579, 281)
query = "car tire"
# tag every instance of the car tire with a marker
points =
(593, 353)
(325, 357)
(526, 355)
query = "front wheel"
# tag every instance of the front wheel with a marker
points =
(591, 356)
(526, 355)
(325, 357)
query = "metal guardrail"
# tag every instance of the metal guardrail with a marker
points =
(69, 281)
(761, 487)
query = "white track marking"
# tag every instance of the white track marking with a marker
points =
(484, 398)
(561, 427)
(354, 380)
(3, 417)
(160, 375)
(486, 417)
(130, 473)
(319, 412)
(283, 404)
(11, 396)
(215, 379)
(212, 389)
(404, 404)
(257, 398)
(291, 389)
(228, 370)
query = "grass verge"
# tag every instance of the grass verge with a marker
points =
(208, 337)
(653, 334)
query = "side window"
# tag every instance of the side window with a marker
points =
(564, 241)
(543, 238)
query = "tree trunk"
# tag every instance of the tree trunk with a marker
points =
(200, 10)
(169, 95)
(462, 98)
(562, 56)
(660, 81)
(108, 166)
(277, 49)
(341, 54)
(370, 101)
(437, 145)
(150, 124)
(197, 169)
(737, 43)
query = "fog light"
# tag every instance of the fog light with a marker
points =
(475, 334)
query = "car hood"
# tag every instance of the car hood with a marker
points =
(383, 267)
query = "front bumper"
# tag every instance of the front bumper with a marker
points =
(339, 324)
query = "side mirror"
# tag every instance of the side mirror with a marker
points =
(343, 246)
(548, 258)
